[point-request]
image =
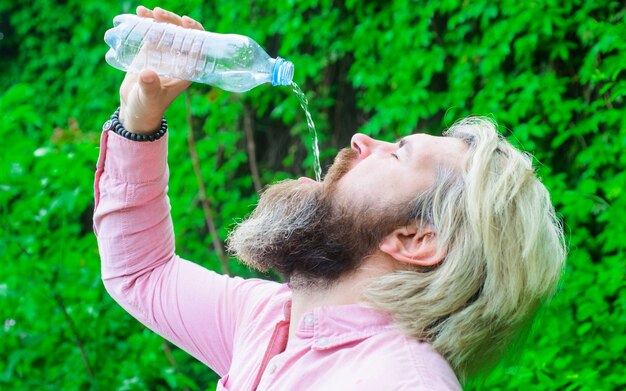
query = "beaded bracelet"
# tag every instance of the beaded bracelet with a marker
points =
(115, 125)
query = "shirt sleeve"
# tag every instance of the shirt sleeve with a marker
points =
(193, 307)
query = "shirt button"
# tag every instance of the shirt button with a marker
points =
(272, 368)
(308, 320)
(322, 341)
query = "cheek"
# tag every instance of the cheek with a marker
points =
(380, 185)
(368, 184)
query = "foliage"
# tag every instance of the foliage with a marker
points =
(551, 73)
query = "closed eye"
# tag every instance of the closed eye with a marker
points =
(401, 144)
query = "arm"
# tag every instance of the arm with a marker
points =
(193, 307)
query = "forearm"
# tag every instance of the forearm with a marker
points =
(195, 308)
(132, 219)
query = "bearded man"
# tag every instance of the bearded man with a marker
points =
(411, 265)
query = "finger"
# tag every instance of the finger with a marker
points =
(149, 82)
(175, 85)
(166, 16)
(191, 23)
(144, 12)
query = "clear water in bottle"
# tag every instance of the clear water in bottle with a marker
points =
(231, 62)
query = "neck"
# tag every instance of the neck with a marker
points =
(347, 290)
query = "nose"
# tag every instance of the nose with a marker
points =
(362, 144)
(365, 145)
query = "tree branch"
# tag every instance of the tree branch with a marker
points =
(251, 147)
(208, 214)
(74, 331)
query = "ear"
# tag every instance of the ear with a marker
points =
(413, 245)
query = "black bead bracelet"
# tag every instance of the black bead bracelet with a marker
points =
(115, 125)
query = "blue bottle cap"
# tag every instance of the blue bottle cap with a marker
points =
(282, 74)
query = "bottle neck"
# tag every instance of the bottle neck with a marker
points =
(282, 72)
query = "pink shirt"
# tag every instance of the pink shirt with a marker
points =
(237, 327)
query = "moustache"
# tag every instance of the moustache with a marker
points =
(344, 161)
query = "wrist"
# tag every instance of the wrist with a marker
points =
(142, 126)
(114, 124)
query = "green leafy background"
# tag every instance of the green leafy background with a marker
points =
(552, 73)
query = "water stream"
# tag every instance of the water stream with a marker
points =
(304, 103)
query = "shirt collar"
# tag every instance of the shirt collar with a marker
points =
(333, 326)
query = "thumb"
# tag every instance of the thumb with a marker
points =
(149, 82)
(141, 109)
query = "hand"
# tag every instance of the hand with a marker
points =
(144, 97)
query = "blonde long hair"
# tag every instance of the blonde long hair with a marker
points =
(505, 254)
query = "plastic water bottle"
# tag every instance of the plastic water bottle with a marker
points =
(231, 62)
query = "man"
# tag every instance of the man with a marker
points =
(409, 265)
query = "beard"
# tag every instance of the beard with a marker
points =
(303, 232)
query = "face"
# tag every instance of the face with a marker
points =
(314, 233)
(384, 174)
